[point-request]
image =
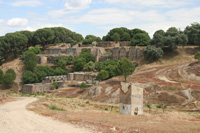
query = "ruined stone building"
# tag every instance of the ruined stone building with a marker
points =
(131, 99)
(102, 52)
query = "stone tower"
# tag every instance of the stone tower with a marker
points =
(131, 99)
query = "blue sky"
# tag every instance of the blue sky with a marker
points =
(97, 17)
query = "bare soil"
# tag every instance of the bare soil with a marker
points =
(98, 116)
(15, 118)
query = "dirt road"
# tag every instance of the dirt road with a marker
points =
(14, 118)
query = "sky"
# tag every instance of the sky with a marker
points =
(97, 17)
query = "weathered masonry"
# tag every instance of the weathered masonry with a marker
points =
(131, 99)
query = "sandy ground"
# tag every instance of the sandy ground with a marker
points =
(15, 118)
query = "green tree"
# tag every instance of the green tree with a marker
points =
(60, 71)
(102, 75)
(1, 75)
(44, 37)
(29, 35)
(17, 42)
(90, 66)
(29, 77)
(125, 37)
(126, 67)
(5, 48)
(87, 55)
(30, 61)
(35, 50)
(182, 39)
(61, 63)
(116, 37)
(140, 39)
(193, 33)
(8, 78)
(79, 63)
(152, 53)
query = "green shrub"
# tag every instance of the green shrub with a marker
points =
(30, 61)
(55, 107)
(172, 88)
(8, 78)
(152, 53)
(29, 77)
(102, 75)
(197, 56)
(55, 85)
(83, 85)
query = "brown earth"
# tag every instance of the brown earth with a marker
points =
(99, 117)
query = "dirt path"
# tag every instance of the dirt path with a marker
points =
(14, 118)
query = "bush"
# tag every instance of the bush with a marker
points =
(55, 85)
(83, 85)
(30, 61)
(197, 56)
(29, 77)
(61, 63)
(140, 39)
(89, 66)
(102, 75)
(1, 75)
(151, 53)
(60, 71)
(55, 107)
(8, 78)
(12, 72)
(35, 50)
(79, 63)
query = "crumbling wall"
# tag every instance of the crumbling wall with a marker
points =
(131, 99)
(54, 51)
(78, 76)
(107, 44)
(34, 88)
(125, 43)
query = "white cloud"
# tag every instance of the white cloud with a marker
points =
(70, 6)
(29, 3)
(1, 20)
(117, 16)
(150, 3)
(17, 22)
(77, 4)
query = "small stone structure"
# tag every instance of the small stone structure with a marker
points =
(131, 99)
(34, 88)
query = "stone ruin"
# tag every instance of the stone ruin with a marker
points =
(131, 99)
(46, 83)
(34, 88)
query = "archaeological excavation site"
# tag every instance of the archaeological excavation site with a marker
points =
(124, 82)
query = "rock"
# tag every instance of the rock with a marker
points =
(108, 90)
(116, 93)
(95, 91)
(98, 90)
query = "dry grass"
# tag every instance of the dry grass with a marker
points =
(99, 116)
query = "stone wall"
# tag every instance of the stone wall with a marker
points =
(107, 44)
(54, 51)
(34, 88)
(132, 53)
(131, 99)
(125, 43)
(117, 53)
(78, 76)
